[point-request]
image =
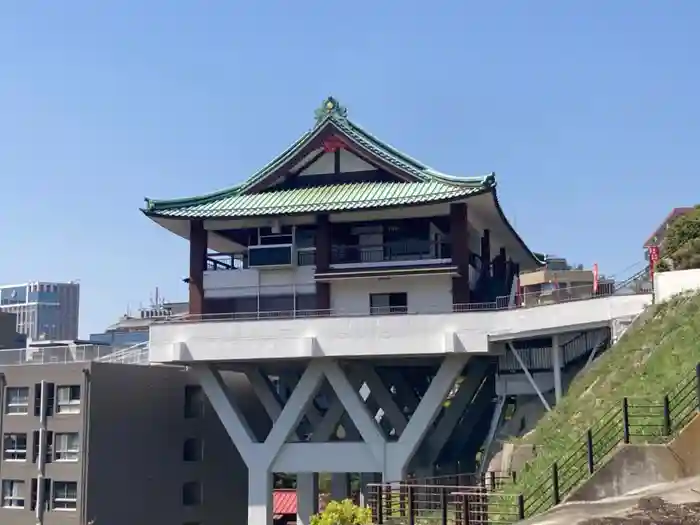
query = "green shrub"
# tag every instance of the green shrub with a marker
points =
(343, 513)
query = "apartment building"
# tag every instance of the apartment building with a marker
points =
(44, 310)
(113, 444)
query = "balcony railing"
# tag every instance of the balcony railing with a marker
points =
(534, 300)
(414, 250)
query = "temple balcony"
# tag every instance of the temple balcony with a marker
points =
(392, 331)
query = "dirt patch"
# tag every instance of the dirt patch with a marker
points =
(654, 511)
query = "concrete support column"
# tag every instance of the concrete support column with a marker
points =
(340, 486)
(556, 365)
(459, 236)
(307, 497)
(259, 496)
(323, 261)
(198, 263)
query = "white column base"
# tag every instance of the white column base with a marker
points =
(259, 496)
(307, 497)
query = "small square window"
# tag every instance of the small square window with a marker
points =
(68, 399)
(14, 447)
(192, 450)
(192, 494)
(17, 400)
(65, 495)
(67, 446)
(13, 494)
(194, 402)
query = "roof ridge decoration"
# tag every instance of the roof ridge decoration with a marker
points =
(330, 108)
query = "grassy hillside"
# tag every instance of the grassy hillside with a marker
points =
(648, 362)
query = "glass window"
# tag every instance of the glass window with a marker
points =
(192, 450)
(14, 447)
(192, 494)
(67, 446)
(388, 303)
(13, 494)
(68, 399)
(17, 400)
(65, 495)
(194, 402)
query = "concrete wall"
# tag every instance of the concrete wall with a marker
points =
(633, 467)
(392, 335)
(135, 464)
(424, 293)
(668, 284)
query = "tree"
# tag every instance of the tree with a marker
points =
(681, 244)
(343, 513)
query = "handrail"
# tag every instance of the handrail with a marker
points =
(526, 300)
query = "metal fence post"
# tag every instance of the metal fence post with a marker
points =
(589, 450)
(521, 507)
(410, 495)
(380, 504)
(697, 385)
(465, 509)
(667, 417)
(625, 421)
(555, 483)
(443, 506)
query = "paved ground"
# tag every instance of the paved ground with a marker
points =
(663, 504)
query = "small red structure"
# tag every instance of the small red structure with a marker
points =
(284, 506)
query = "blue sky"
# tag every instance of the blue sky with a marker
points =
(587, 111)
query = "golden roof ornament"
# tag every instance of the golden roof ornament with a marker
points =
(330, 108)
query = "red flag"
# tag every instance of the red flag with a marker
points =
(595, 278)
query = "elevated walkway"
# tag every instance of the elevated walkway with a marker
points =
(226, 338)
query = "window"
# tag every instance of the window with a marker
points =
(36, 443)
(194, 402)
(192, 450)
(45, 496)
(50, 398)
(67, 446)
(65, 495)
(388, 303)
(68, 400)
(192, 494)
(14, 447)
(13, 494)
(17, 400)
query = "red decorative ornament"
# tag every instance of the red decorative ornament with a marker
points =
(333, 144)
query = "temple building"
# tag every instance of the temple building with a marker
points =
(355, 311)
(342, 222)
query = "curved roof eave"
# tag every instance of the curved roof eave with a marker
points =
(517, 237)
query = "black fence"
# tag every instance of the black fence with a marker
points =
(488, 499)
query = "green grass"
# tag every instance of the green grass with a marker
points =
(647, 363)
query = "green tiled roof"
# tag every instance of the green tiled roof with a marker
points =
(428, 185)
(337, 197)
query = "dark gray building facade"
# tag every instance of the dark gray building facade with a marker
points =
(114, 444)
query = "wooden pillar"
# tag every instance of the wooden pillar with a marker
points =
(198, 263)
(459, 235)
(486, 253)
(323, 261)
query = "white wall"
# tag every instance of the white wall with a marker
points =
(251, 282)
(432, 293)
(391, 335)
(668, 284)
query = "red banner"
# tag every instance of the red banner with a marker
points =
(654, 256)
(595, 278)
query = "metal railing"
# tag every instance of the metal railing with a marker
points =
(413, 504)
(495, 499)
(414, 250)
(526, 300)
(45, 355)
(634, 420)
